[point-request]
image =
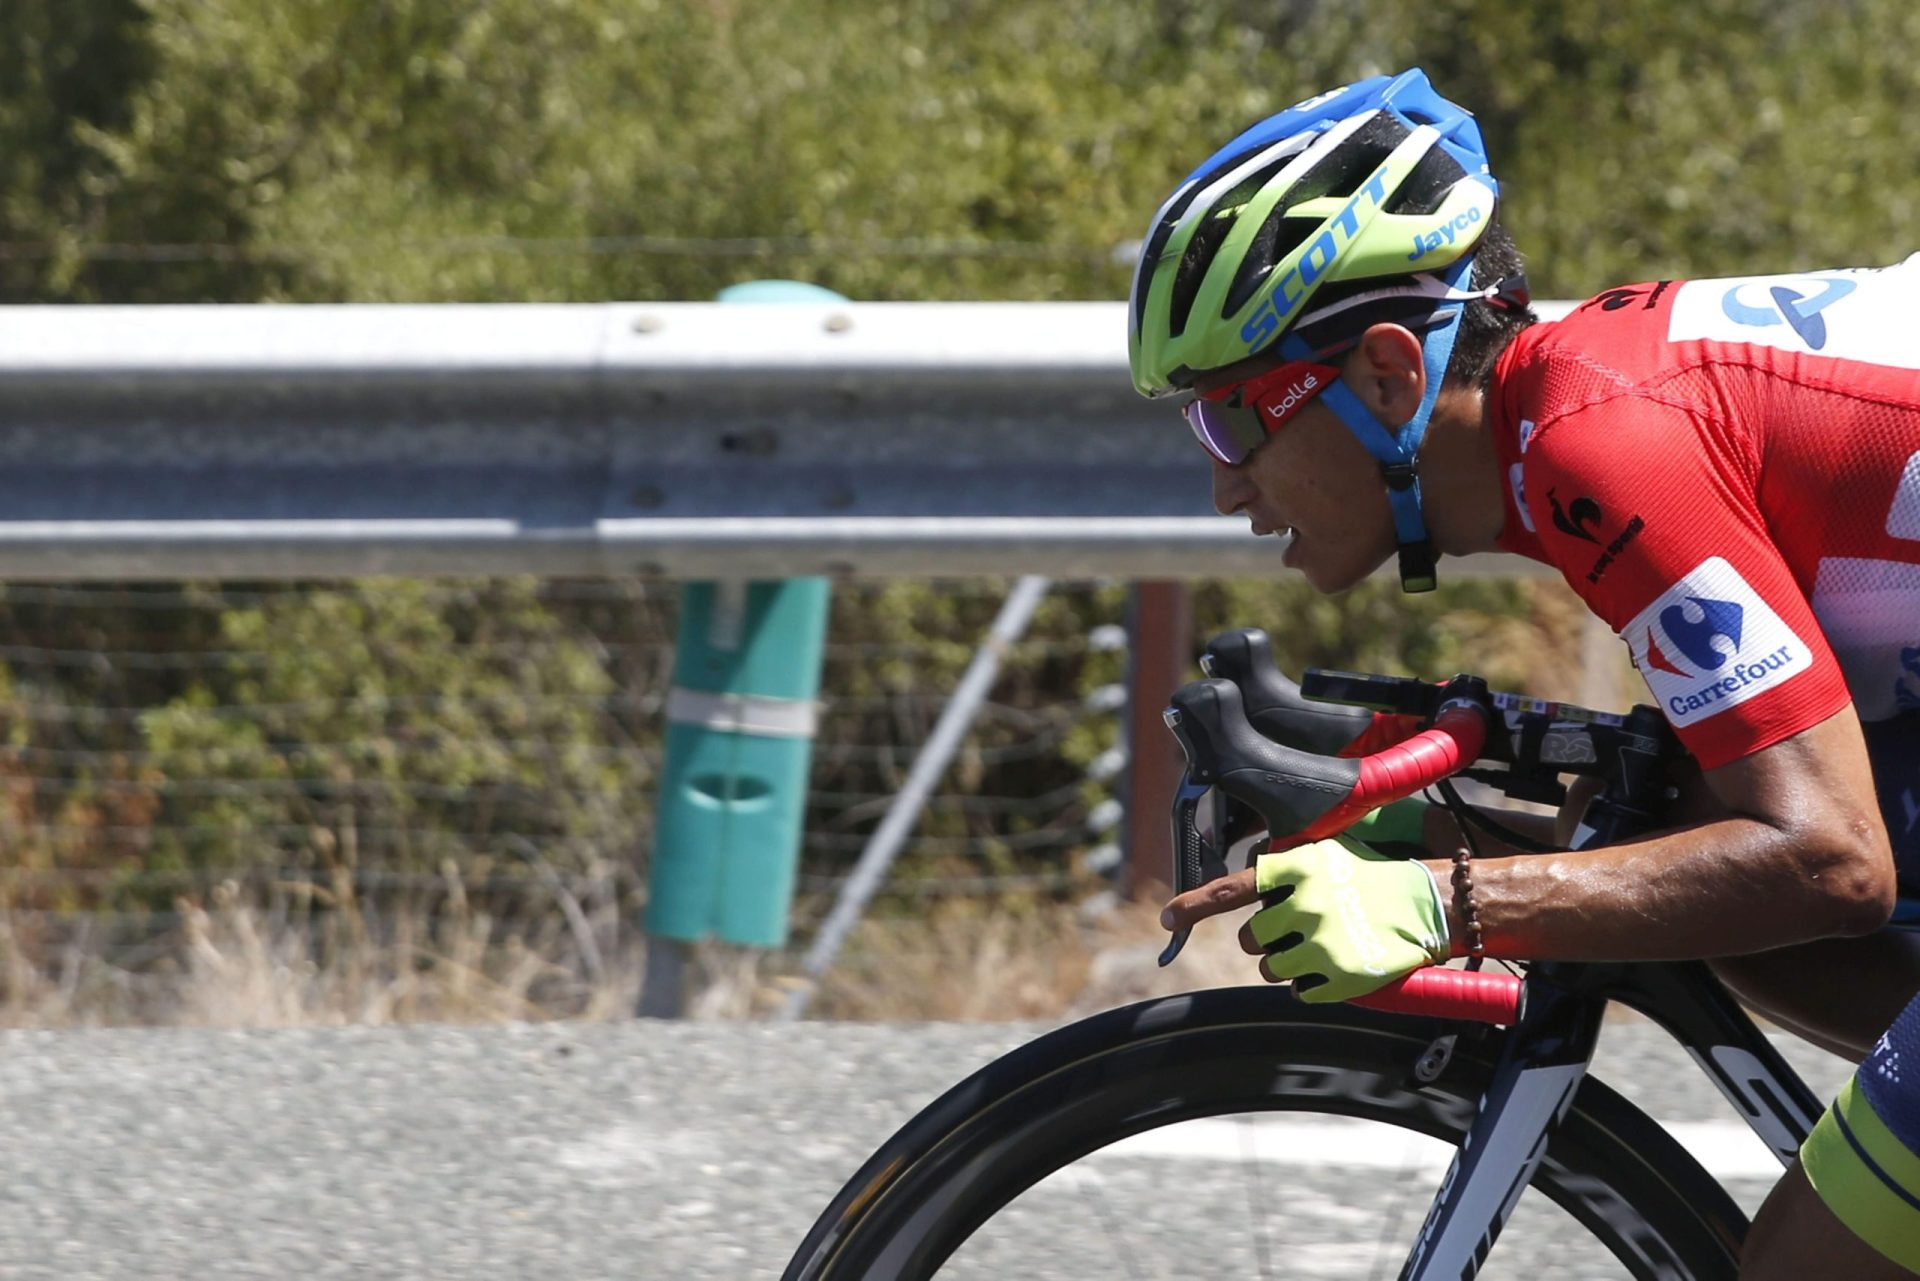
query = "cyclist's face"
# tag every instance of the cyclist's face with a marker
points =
(1314, 477)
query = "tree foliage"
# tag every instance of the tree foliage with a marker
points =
(578, 150)
(428, 150)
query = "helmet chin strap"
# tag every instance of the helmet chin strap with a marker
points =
(1398, 451)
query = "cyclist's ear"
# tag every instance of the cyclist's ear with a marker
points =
(1386, 372)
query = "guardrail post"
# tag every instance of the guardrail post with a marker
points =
(740, 726)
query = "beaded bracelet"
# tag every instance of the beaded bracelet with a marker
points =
(1463, 903)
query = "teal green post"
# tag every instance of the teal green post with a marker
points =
(740, 724)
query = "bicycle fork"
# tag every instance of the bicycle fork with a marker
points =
(1541, 1064)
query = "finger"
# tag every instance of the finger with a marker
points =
(1211, 899)
(1274, 969)
(1272, 926)
(1282, 967)
(1306, 984)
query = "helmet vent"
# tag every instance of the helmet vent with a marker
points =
(1341, 171)
(1204, 247)
(1278, 237)
(1164, 229)
(1427, 185)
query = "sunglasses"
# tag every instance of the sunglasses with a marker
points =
(1231, 422)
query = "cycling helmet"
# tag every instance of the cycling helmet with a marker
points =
(1361, 204)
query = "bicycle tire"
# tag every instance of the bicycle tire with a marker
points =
(1081, 1087)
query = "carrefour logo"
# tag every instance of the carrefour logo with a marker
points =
(1698, 637)
(1709, 642)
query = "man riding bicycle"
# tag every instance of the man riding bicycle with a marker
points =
(1726, 471)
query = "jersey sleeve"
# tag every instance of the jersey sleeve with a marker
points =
(1651, 515)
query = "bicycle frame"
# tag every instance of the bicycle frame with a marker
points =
(1542, 1061)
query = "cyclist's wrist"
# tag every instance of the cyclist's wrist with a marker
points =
(1442, 872)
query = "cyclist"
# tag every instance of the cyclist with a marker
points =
(1726, 471)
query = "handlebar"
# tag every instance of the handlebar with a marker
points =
(1474, 995)
(1274, 703)
(1309, 771)
(1307, 797)
(1301, 796)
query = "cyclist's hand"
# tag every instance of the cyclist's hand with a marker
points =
(1215, 898)
(1402, 821)
(1344, 920)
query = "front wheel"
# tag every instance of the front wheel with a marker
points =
(983, 1181)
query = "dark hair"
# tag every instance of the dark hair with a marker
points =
(1487, 328)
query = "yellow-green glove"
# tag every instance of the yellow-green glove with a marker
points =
(1344, 920)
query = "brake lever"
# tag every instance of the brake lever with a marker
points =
(1196, 860)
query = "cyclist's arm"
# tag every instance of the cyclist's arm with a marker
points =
(1802, 855)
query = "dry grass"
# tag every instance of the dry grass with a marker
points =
(975, 962)
(229, 963)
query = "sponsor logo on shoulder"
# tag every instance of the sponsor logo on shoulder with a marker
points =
(1847, 314)
(1634, 527)
(1573, 520)
(1709, 642)
(1787, 304)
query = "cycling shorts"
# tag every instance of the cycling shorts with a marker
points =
(1861, 1157)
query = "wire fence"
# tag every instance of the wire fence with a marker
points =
(387, 756)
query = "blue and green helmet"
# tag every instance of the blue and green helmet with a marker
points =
(1370, 196)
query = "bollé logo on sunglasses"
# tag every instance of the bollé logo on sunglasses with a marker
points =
(1299, 392)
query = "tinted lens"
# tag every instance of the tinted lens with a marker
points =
(1228, 434)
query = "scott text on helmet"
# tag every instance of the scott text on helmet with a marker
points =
(1286, 296)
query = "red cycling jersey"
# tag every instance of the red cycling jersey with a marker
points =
(1728, 472)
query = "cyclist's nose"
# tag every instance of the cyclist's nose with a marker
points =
(1231, 489)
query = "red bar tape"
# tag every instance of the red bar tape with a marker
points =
(1453, 743)
(1477, 995)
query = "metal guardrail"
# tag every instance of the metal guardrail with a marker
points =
(681, 439)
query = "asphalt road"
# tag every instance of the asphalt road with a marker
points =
(649, 1150)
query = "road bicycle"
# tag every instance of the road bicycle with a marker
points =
(1493, 1065)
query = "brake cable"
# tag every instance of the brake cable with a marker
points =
(1469, 817)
